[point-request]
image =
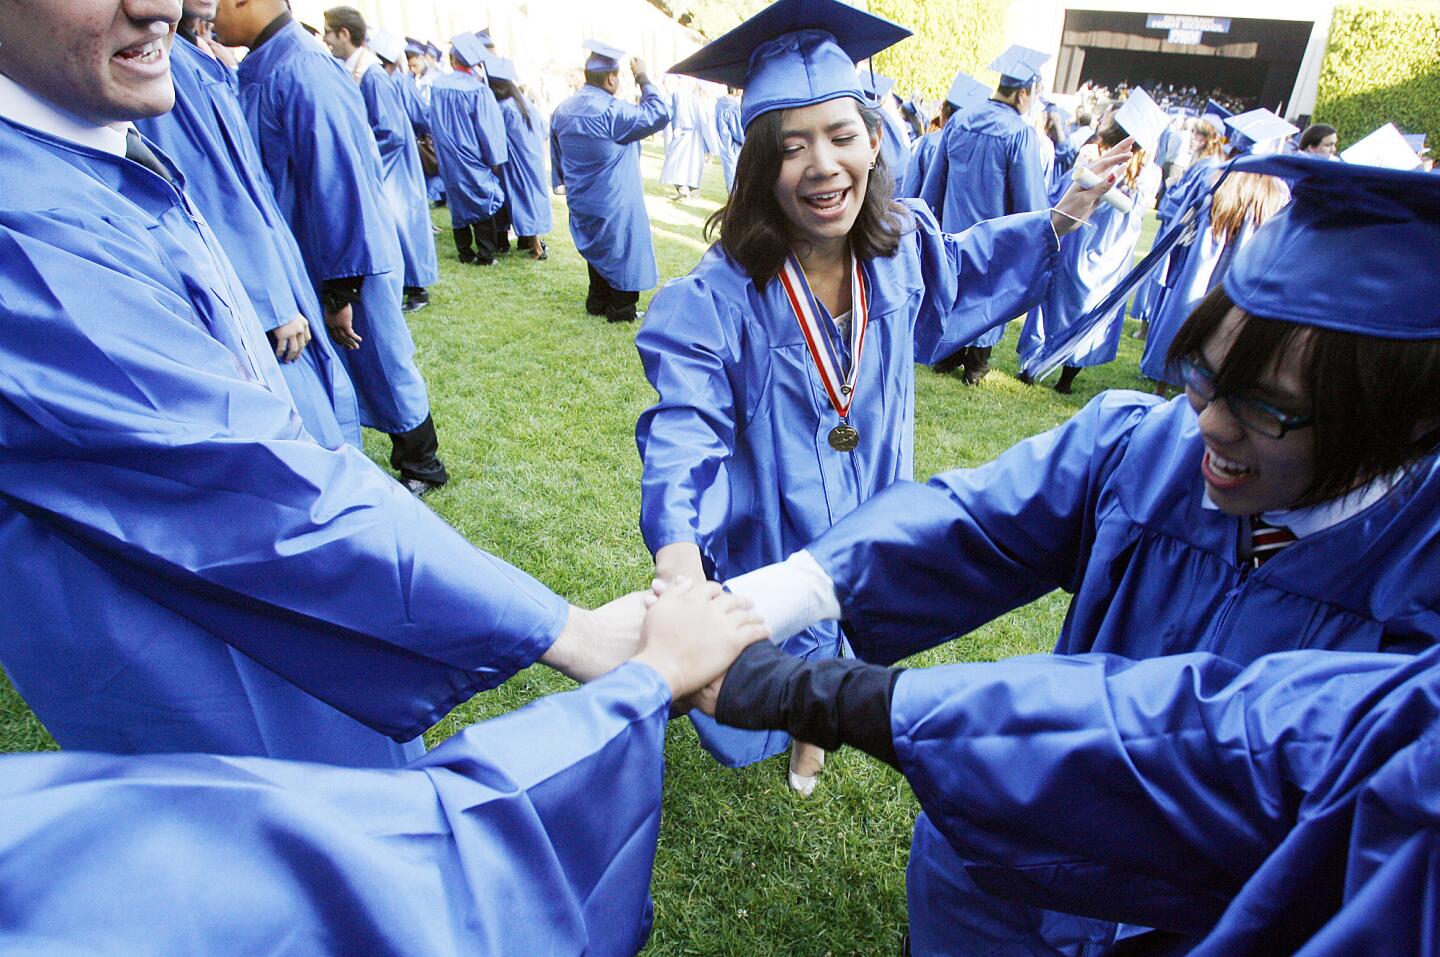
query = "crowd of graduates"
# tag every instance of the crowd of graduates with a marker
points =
(238, 627)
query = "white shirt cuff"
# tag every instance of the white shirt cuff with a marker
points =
(791, 595)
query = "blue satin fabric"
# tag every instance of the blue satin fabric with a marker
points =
(410, 98)
(921, 156)
(689, 139)
(308, 118)
(988, 163)
(895, 149)
(205, 134)
(595, 154)
(199, 574)
(735, 452)
(732, 136)
(1092, 261)
(1289, 807)
(1109, 507)
(527, 187)
(470, 144)
(401, 178)
(533, 833)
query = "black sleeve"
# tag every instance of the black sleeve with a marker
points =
(829, 702)
(336, 294)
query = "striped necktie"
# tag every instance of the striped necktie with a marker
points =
(1266, 540)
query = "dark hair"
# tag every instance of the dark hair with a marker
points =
(753, 228)
(598, 77)
(1374, 402)
(349, 19)
(505, 90)
(1314, 133)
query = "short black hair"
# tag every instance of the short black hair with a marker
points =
(348, 19)
(1374, 402)
(598, 77)
(752, 226)
(1314, 133)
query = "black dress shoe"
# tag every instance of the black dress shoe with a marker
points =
(415, 300)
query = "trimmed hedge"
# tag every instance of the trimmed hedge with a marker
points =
(950, 35)
(1382, 66)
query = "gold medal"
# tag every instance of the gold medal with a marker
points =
(844, 438)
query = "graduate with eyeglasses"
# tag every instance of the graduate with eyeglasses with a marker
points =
(784, 362)
(1289, 500)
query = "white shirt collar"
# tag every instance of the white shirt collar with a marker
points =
(1316, 518)
(19, 105)
(353, 60)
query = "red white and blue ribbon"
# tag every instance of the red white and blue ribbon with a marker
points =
(821, 333)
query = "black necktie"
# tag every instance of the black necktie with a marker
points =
(135, 149)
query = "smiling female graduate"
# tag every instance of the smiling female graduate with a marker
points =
(1290, 500)
(784, 361)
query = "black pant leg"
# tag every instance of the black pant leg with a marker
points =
(502, 229)
(597, 299)
(622, 306)
(464, 243)
(486, 243)
(415, 454)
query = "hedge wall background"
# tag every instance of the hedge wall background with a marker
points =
(949, 35)
(1382, 65)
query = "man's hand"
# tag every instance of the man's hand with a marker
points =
(637, 69)
(679, 560)
(342, 328)
(593, 643)
(1078, 202)
(694, 633)
(290, 339)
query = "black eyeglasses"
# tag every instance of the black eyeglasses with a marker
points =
(1258, 416)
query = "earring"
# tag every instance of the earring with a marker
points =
(872, 164)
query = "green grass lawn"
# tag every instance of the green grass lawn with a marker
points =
(536, 404)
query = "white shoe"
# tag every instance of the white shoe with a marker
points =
(802, 785)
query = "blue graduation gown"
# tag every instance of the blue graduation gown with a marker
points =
(735, 452)
(411, 100)
(533, 833)
(689, 141)
(595, 154)
(401, 177)
(1292, 807)
(1176, 198)
(895, 149)
(921, 157)
(206, 135)
(308, 118)
(1192, 271)
(470, 144)
(732, 136)
(527, 187)
(1109, 507)
(1092, 261)
(988, 163)
(199, 574)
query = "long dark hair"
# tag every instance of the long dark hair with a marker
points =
(1374, 402)
(505, 90)
(753, 228)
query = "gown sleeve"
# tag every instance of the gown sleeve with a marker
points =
(919, 564)
(937, 175)
(532, 833)
(688, 349)
(494, 145)
(633, 122)
(374, 86)
(557, 172)
(1026, 178)
(975, 280)
(134, 434)
(1147, 792)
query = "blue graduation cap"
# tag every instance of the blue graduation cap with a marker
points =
(965, 92)
(603, 57)
(483, 35)
(1385, 147)
(1215, 121)
(1142, 118)
(501, 68)
(1214, 108)
(1019, 66)
(468, 48)
(793, 53)
(1259, 132)
(875, 86)
(1351, 252)
(1416, 141)
(416, 47)
(433, 51)
(387, 46)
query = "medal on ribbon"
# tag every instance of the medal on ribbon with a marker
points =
(821, 337)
